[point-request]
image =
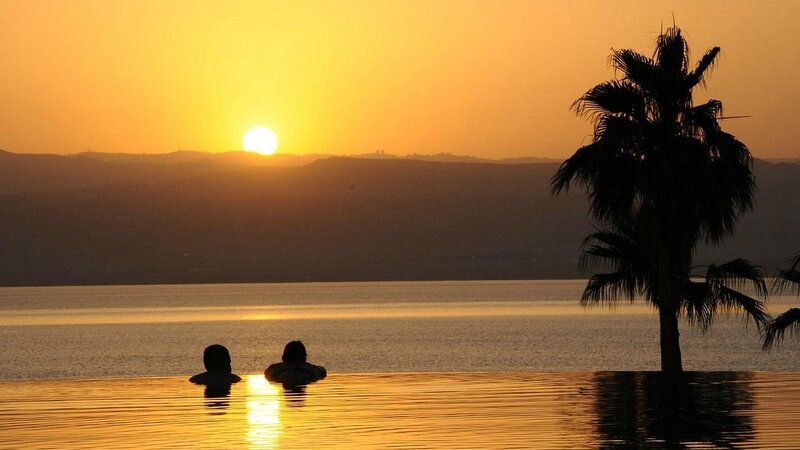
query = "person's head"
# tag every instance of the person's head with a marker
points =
(216, 357)
(294, 351)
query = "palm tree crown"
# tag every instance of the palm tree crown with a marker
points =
(653, 148)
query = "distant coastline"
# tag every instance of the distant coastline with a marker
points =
(189, 217)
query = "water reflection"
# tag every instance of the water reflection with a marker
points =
(294, 396)
(216, 397)
(651, 409)
(263, 413)
(431, 410)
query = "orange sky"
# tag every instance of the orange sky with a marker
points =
(484, 78)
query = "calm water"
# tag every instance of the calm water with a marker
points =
(457, 410)
(477, 363)
(125, 331)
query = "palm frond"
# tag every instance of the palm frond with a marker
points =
(613, 250)
(727, 183)
(672, 53)
(728, 148)
(613, 197)
(698, 304)
(736, 274)
(579, 167)
(608, 288)
(775, 329)
(612, 97)
(619, 133)
(637, 68)
(700, 301)
(572, 168)
(787, 279)
(729, 300)
(707, 62)
(606, 173)
(704, 117)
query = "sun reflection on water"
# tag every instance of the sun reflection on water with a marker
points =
(263, 413)
(413, 410)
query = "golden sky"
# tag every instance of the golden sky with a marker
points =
(485, 78)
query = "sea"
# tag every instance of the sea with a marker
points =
(364, 327)
(412, 365)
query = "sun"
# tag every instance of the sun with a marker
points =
(260, 140)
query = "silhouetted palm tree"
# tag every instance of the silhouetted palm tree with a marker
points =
(790, 320)
(660, 162)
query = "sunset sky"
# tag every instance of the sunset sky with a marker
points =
(484, 78)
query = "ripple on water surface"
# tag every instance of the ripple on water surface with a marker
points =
(422, 410)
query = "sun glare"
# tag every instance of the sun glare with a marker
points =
(260, 140)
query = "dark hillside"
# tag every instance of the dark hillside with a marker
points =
(334, 219)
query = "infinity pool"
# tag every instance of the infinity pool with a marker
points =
(417, 410)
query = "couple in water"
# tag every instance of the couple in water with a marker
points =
(294, 370)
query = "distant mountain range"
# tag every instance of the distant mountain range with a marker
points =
(193, 217)
(45, 172)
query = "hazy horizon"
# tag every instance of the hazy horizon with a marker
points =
(481, 79)
(791, 158)
(378, 152)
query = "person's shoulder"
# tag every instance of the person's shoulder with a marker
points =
(215, 378)
(273, 369)
(275, 366)
(321, 372)
(200, 378)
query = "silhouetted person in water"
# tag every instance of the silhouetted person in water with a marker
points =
(294, 370)
(218, 369)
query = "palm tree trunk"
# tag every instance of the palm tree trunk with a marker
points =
(670, 341)
(667, 306)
